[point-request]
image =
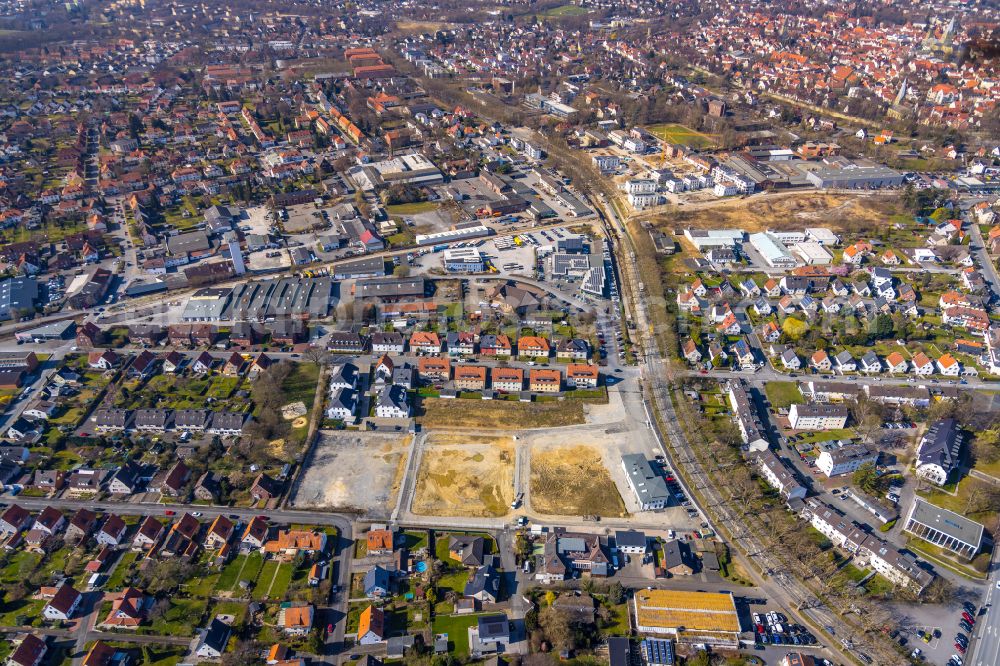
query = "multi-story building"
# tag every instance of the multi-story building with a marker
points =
(845, 459)
(818, 417)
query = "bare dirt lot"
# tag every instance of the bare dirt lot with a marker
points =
(465, 475)
(840, 212)
(499, 414)
(572, 480)
(354, 472)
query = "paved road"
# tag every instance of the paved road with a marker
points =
(983, 258)
(341, 522)
(984, 649)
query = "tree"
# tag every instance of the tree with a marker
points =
(794, 328)
(550, 598)
(986, 446)
(616, 594)
(558, 628)
(866, 477)
(881, 327)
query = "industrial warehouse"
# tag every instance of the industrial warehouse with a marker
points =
(297, 298)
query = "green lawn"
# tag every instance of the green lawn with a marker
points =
(415, 540)
(242, 567)
(412, 208)
(453, 581)
(825, 435)
(301, 384)
(181, 619)
(565, 10)
(783, 394)
(124, 567)
(674, 133)
(457, 628)
(25, 609)
(282, 579)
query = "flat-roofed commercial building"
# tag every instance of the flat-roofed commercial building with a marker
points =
(650, 488)
(854, 176)
(772, 250)
(944, 528)
(697, 617)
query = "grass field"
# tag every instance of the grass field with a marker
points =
(412, 208)
(674, 133)
(457, 628)
(565, 10)
(573, 481)
(783, 394)
(499, 414)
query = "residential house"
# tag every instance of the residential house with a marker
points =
(377, 583)
(770, 332)
(483, 585)
(233, 367)
(176, 478)
(470, 377)
(296, 620)
(820, 360)
(379, 541)
(63, 605)
(939, 452)
(174, 361)
(264, 488)
(507, 379)
(203, 364)
(143, 365)
(30, 651)
(128, 609)
(434, 369)
(14, 519)
(219, 533)
(392, 402)
(870, 363)
(495, 345)
(582, 375)
(103, 360)
(148, 535)
(126, 480)
(948, 366)
(112, 531)
(896, 363)
(790, 360)
(573, 348)
(81, 525)
(469, 550)
(533, 346)
(922, 364)
(544, 380)
(388, 342)
(425, 342)
(213, 640)
(290, 543)
(255, 535)
(460, 343)
(371, 626)
(51, 521)
(343, 376)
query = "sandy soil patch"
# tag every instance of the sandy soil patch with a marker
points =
(572, 480)
(780, 211)
(471, 476)
(352, 471)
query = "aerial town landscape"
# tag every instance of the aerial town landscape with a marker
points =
(518, 333)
